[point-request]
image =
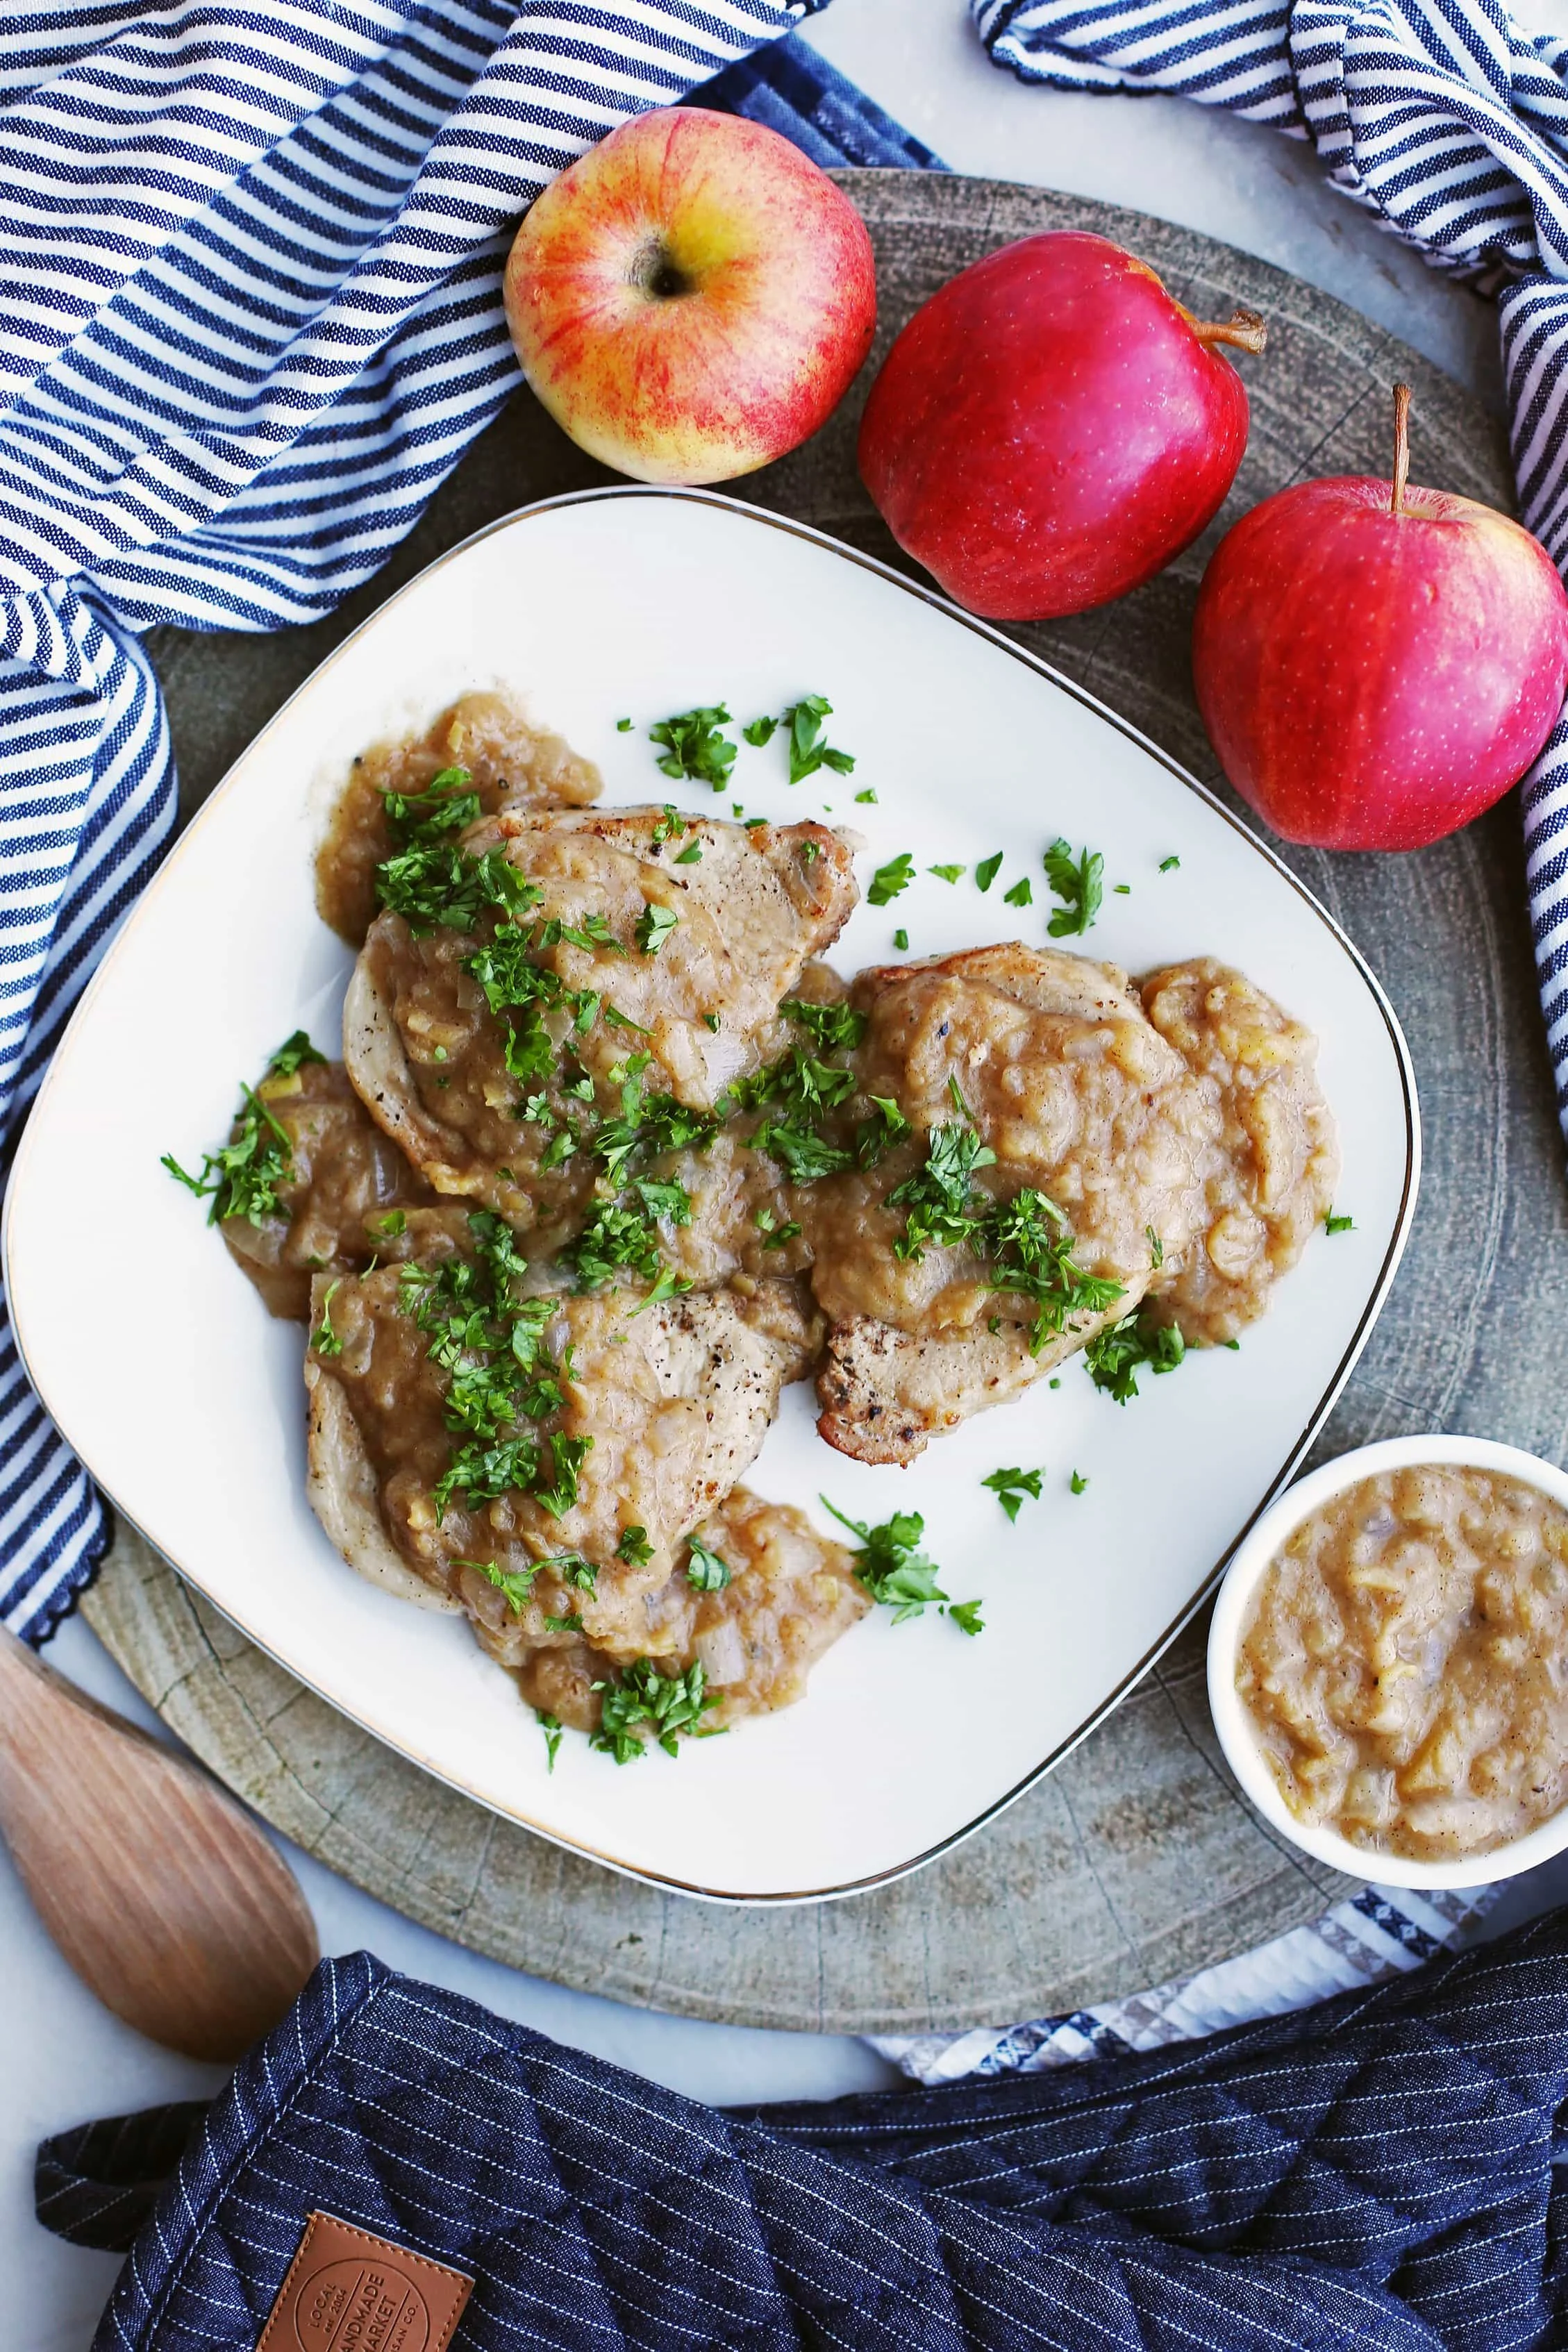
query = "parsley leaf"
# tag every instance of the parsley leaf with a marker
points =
(324, 1341)
(1011, 1486)
(829, 1026)
(966, 1615)
(948, 873)
(550, 1723)
(901, 940)
(242, 1177)
(987, 870)
(1333, 1224)
(647, 1702)
(1078, 1481)
(654, 926)
(807, 752)
(1020, 895)
(890, 1564)
(936, 1197)
(706, 1571)
(1169, 865)
(759, 732)
(694, 747)
(808, 1157)
(634, 1547)
(868, 795)
(890, 879)
(1116, 1355)
(876, 1136)
(1079, 883)
(517, 1587)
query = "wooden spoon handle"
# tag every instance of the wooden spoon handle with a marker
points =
(163, 1896)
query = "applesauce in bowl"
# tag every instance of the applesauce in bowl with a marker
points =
(1388, 1664)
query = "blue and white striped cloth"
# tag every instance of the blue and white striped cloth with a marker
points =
(252, 319)
(1450, 122)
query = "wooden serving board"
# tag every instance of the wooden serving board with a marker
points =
(1136, 1860)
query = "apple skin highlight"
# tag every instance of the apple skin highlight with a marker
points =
(1372, 679)
(690, 298)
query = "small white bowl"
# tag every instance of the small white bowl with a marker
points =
(1242, 1751)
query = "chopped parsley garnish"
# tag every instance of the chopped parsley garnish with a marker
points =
(324, 1341)
(517, 1587)
(948, 873)
(572, 1567)
(646, 1705)
(808, 1157)
(1333, 1224)
(694, 747)
(875, 1137)
(654, 926)
(618, 1238)
(389, 1227)
(500, 1374)
(807, 752)
(690, 856)
(634, 1547)
(550, 1723)
(1021, 895)
(430, 880)
(1122, 889)
(242, 1177)
(759, 732)
(1116, 1355)
(572, 1625)
(1027, 1240)
(1078, 1481)
(937, 1197)
(890, 1563)
(1169, 865)
(1079, 883)
(1156, 1248)
(901, 940)
(862, 798)
(775, 1235)
(966, 1615)
(1011, 1487)
(828, 1025)
(890, 879)
(623, 726)
(987, 870)
(706, 1571)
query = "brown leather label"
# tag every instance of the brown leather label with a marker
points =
(349, 2292)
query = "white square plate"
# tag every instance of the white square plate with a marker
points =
(157, 1361)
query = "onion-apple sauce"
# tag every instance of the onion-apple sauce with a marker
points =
(1403, 1662)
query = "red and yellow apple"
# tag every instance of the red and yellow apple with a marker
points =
(1377, 663)
(691, 298)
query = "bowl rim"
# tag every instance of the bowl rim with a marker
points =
(1242, 1751)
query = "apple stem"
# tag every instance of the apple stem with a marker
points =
(1245, 329)
(1400, 446)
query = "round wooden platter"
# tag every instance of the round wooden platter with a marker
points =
(1136, 1860)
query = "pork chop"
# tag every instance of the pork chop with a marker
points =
(647, 1416)
(1054, 1138)
(640, 970)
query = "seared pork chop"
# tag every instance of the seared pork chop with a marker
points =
(792, 1592)
(672, 973)
(661, 1408)
(1269, 1182)
(1028, 1077)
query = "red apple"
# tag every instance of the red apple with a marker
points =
(1376, 663)
(691, 298)
(1052, 429)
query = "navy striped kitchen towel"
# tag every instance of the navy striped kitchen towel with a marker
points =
(1447, 120)
(253, 318)
(1379, 2175)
